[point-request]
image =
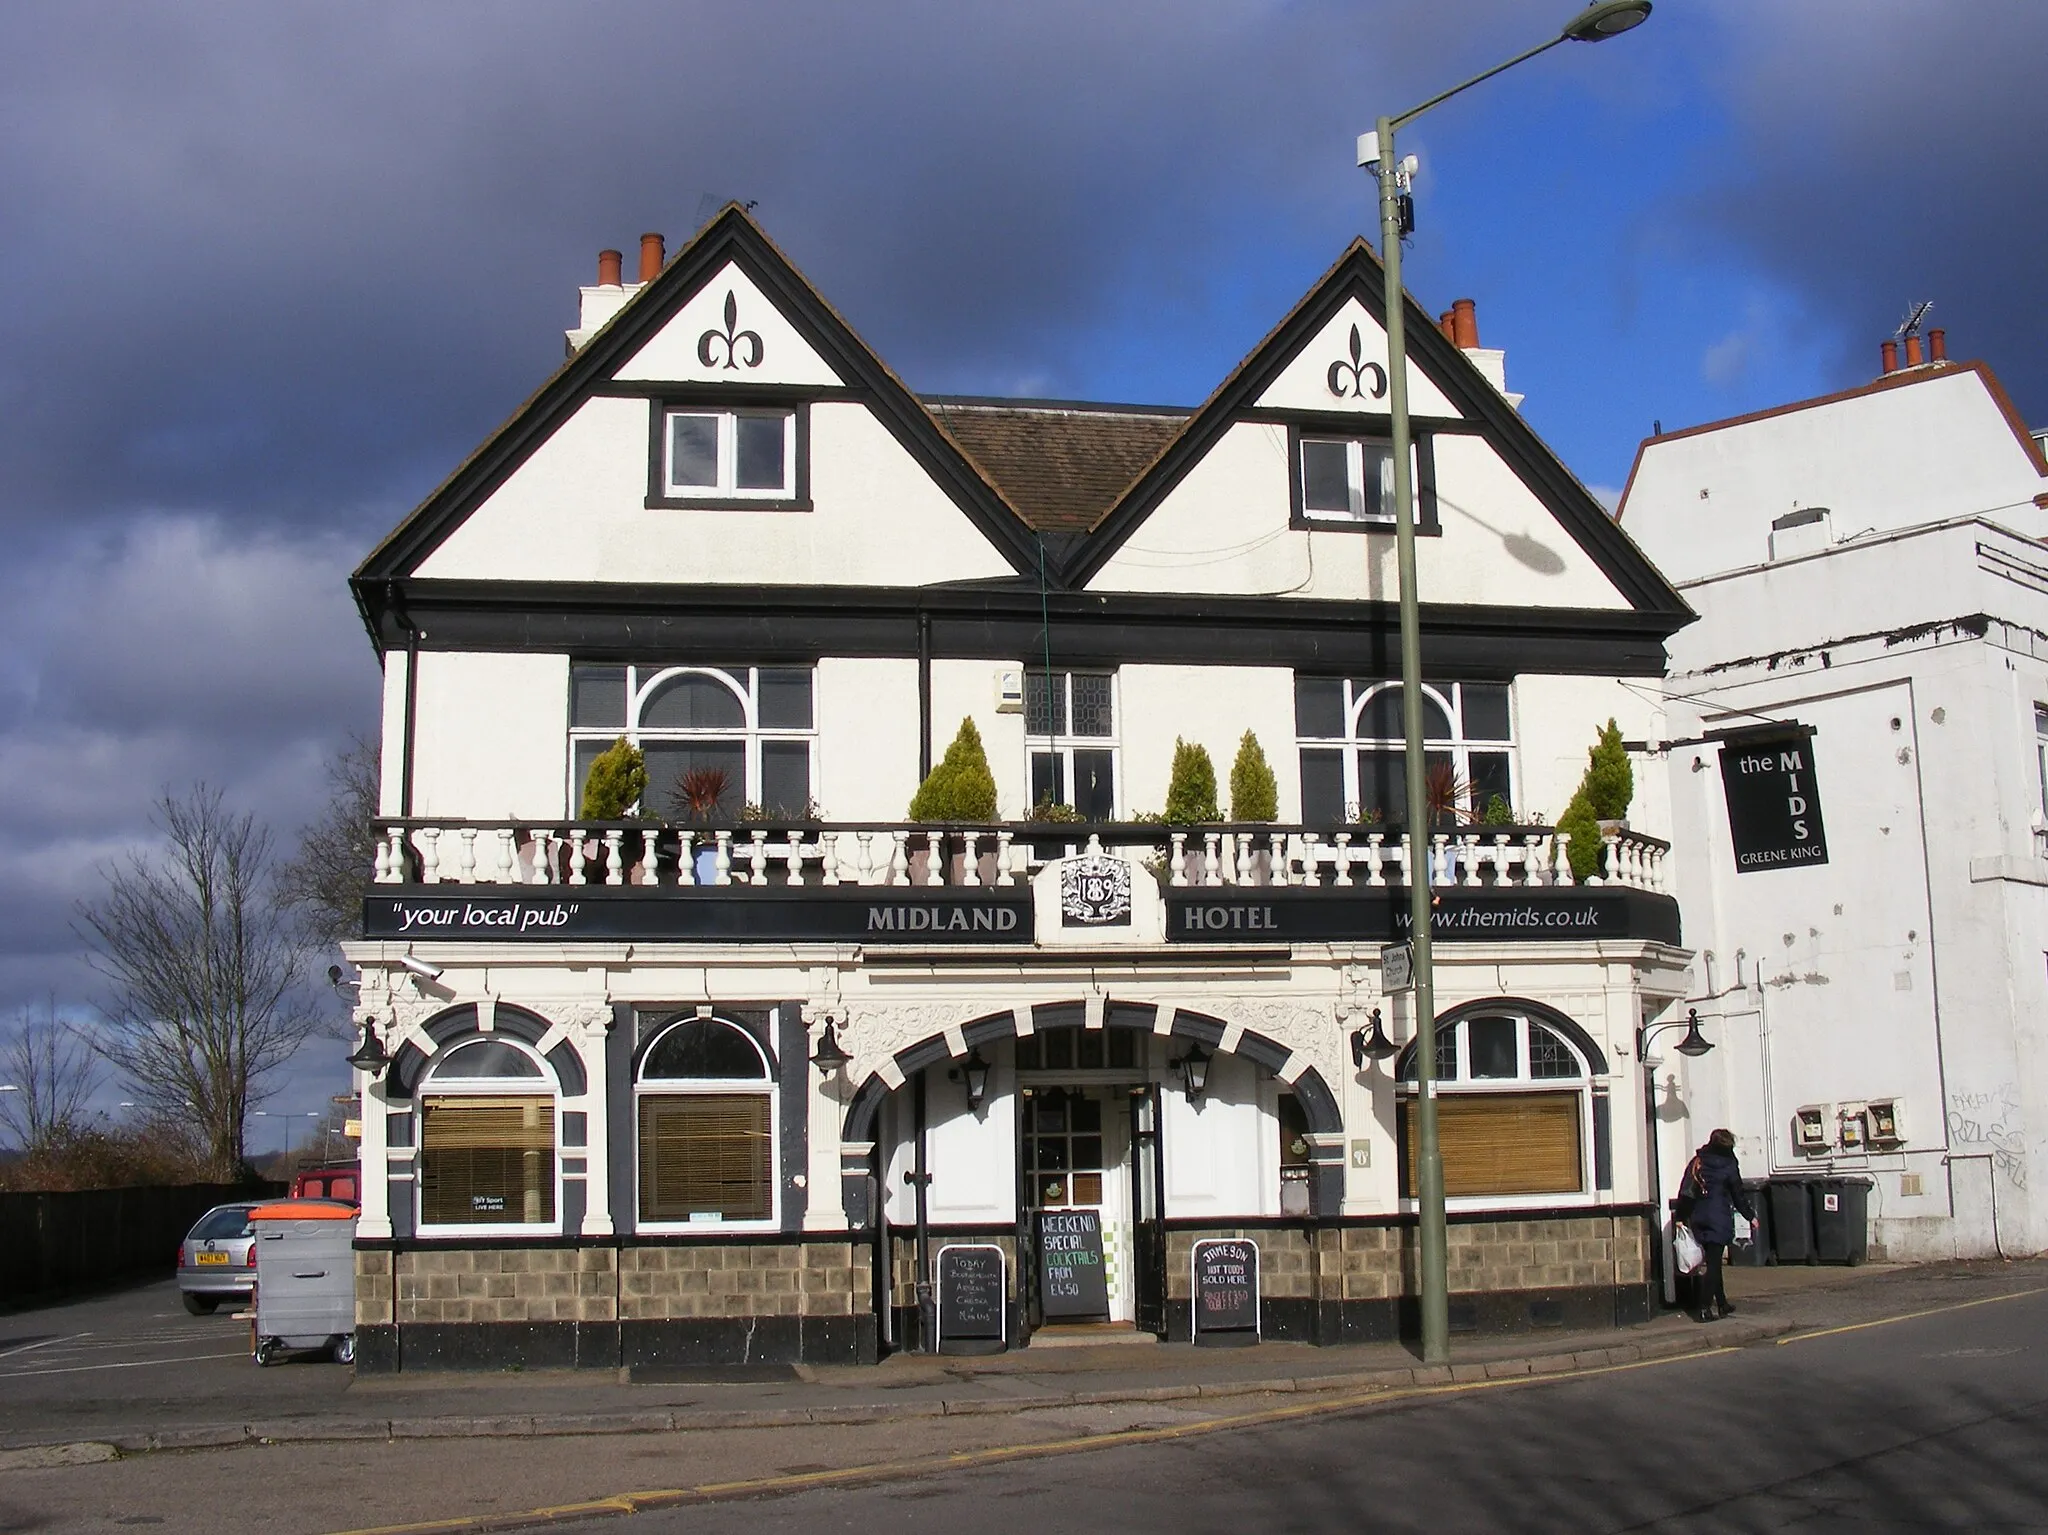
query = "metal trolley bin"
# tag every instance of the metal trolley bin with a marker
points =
(305, 1278)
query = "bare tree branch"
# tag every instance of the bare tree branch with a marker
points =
(204, 970)
(51, 1067)
(324, 882)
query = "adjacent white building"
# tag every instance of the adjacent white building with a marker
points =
(1870, 565)
(611, 1128)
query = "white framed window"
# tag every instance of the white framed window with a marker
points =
(729, 453)
(2041, 751)
(1353, 749)
(1070, 730)
(487, 1139)
(1347, 479)
(716, 738)
(1514, 1110)
(704, 1107)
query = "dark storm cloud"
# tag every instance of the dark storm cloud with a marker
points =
(1892, 153)
(290, 262)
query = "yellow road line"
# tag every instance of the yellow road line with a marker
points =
(1908, 1316)
(638, 1502)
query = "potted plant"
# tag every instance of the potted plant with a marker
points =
(960, 788)
(694, 802)
(1600, 803)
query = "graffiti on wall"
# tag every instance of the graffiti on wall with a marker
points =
(1987, 1122)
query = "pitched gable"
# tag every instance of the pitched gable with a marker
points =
(1217, 513)
(565, 490)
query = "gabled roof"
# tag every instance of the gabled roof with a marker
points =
(730, 237)
(1358, 275)
(1062, 464)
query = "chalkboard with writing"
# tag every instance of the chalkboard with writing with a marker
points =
(974, 1305)
(1072, 1281)
(1226, 1292)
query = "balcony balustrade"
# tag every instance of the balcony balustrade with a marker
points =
(573, 853)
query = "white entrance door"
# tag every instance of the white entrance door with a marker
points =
(1076, 1151)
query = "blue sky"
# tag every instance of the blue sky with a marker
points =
(270, 272)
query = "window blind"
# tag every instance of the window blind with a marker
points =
(487, 1160)
(1501, 1143)
(704, 1154)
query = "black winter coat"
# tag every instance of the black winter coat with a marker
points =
(1713, 1180)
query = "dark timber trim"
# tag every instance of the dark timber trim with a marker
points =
(600, 621)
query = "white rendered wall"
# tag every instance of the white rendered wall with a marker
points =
(1224, 528)
(1557, 720)
(391, 758)
(492, 736)
(1214, 1165)
(865, 768)
(1210, 706)
(967, 690)
(673, 353)
(1934, 446)
(575, 511)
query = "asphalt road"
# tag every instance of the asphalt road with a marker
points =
(1934, 1423)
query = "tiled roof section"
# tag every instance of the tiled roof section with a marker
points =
(1062, 466)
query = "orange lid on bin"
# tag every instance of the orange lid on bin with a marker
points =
(304, 1210)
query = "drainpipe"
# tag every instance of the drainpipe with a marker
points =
(920, 1179)
(924, 698)
(412, 695)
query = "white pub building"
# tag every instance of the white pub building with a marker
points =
(728, 1079)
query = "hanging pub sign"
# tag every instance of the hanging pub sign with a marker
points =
(1072, 1278)
(1773, 798)
(974, 1310)
(1225, 1291)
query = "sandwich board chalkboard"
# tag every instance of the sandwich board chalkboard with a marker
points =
(974, 1302)
(1225, 1292)
(1072, 1279)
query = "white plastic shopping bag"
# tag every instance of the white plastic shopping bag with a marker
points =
(1685, 1249)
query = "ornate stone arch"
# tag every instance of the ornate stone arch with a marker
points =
(1318, 1103)
(457, 1023)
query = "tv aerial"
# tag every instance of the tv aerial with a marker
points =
(1910, 326)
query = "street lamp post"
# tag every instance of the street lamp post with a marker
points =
(1602, 20)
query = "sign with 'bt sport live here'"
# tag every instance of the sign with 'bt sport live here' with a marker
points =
(1773, 799)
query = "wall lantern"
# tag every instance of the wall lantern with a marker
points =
(975, 1071)
(1695, 1043)
(369, 1054)
(1194, 1071)
(830, 1055)
(1374, 1046)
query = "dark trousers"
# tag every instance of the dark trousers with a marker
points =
(1707, 1287)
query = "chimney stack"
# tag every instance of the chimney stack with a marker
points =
(1937, 346)
(1913, 350)
(1889, 352)
(610, 266)
(651, 256)
(1465, 324)
(1445, 324)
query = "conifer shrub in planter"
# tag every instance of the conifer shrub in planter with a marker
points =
(960, 788)
(1599, 804)
(1191, 789)
(618, 777)
(1254, 791)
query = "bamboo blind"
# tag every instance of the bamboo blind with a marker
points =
(706, 1154)
(1502, 1143)
(486, 1160)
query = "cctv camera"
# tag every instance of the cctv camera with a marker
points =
(424, 969)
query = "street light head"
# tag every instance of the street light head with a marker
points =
(1607, 18)
(1695, 1043)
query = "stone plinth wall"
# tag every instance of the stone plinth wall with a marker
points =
(641, 1307)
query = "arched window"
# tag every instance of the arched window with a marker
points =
(1353, 765)
(715, 739)
(487, 1138)
(707, 1127)
(1513, 1107)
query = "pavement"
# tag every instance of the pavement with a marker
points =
(128, 1374)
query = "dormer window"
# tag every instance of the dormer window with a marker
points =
(744, 458)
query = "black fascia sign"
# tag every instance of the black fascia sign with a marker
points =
(1774, 816)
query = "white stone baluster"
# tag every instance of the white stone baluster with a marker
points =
(793, 857)
(828, 857)
(1375, 852)
(721, 861)
(1212, 863)
(576, 875)
(757, 857)
(615, 857)
(1177, 873)
(429, 839)
(465, 858)
(970, 858)
(1342, 840)
(508, 856)
(1561, 862)
(899, 858)
(650, 857)
(1440, 859)
(1007, 854)
(1471, 843)
(935, 858)
(541, 873)
(380, 868)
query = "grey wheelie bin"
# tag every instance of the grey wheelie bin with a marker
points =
(1841, 1220)
(305, 1278)
(1792, 1221)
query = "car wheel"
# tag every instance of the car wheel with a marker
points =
(345, 1349)
(200, 1305)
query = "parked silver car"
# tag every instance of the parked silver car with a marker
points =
(217, 1259)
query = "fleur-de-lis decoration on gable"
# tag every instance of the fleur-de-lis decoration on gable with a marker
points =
(741, 347)
(1357, 379)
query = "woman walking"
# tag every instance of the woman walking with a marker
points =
(1709, 1195)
